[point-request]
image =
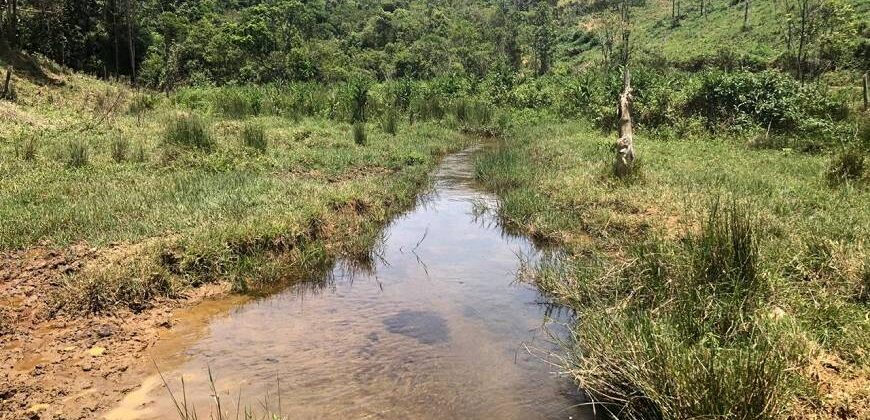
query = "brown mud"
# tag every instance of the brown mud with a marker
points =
(63, 367)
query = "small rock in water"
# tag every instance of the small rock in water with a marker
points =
(426, 326)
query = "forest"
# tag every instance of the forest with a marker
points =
(696, 174)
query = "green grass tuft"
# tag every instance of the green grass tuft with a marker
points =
(188, 131)
(359, 134)
(77, 154)
(254, 136)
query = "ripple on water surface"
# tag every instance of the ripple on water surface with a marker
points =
(436, 329)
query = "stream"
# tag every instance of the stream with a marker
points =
(436, 327)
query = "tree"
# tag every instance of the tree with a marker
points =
(624, 163)
(625, 155)
(543, 44)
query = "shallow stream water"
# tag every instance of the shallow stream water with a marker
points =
(437, 327)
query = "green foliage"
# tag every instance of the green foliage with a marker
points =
(768, 98)
(849, 165)
(358, 91)
(120, 147)
(254, 136)
(390, 122)
(237, 102)
(27, 146)
(188, 130)
(77, 154)
(142, 103)
(359, 133)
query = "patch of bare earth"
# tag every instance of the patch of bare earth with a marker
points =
(70, 367)
(843, 391)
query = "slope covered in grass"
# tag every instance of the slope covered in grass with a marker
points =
(721, 281)
(196, 181)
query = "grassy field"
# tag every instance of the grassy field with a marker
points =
(722, 281)
(194, 187)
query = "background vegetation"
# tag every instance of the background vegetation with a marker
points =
(727, 278)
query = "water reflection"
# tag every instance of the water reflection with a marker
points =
(432, 324)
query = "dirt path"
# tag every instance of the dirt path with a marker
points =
(70, 368)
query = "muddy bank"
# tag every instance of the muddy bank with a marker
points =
(70, 367)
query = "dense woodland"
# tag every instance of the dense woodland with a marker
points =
(725, 62)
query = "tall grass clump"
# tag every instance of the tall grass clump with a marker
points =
(254, 136)
(142, 103)
(359, 134)
(188, 131)
(389, 122)
(359, 97)
(27, 148)
(847, 166)
(120, 148)
(77, 154)
(680, 332)
(236, 102)
(139, 154)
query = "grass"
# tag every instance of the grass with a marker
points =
(223, 216)
(254, 136)
(359, 133)
(77, 154)
(710, 286)
(188, 130)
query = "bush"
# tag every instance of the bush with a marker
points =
(188, 131)
(139, 154)
(28, 147)
(726, 284)
(237, 102)
(359, 134)
(254, 136)
(142, 103)
(120, 148)
(76, 154)
(389, 122)
(359, 96)
(766, 99)
(848, 166)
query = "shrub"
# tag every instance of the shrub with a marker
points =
(359, 134)
(236, 102)
(254, 136)
(726, 284)
(76, 154)
(27, 151)
(188, 131)
(142, 103)
(460, 110)
(139, 155)
(389, 122)
(120, 148)
(359, 96)
(847, 166)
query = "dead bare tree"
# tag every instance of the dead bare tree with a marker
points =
(625, 143)
(625, 156)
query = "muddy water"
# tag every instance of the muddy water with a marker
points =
(435, 328)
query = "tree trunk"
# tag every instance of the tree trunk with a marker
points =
(746, 15)
(13, 27)
(802, 41)
(7, 85)
(131, 44)
(624, 144)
